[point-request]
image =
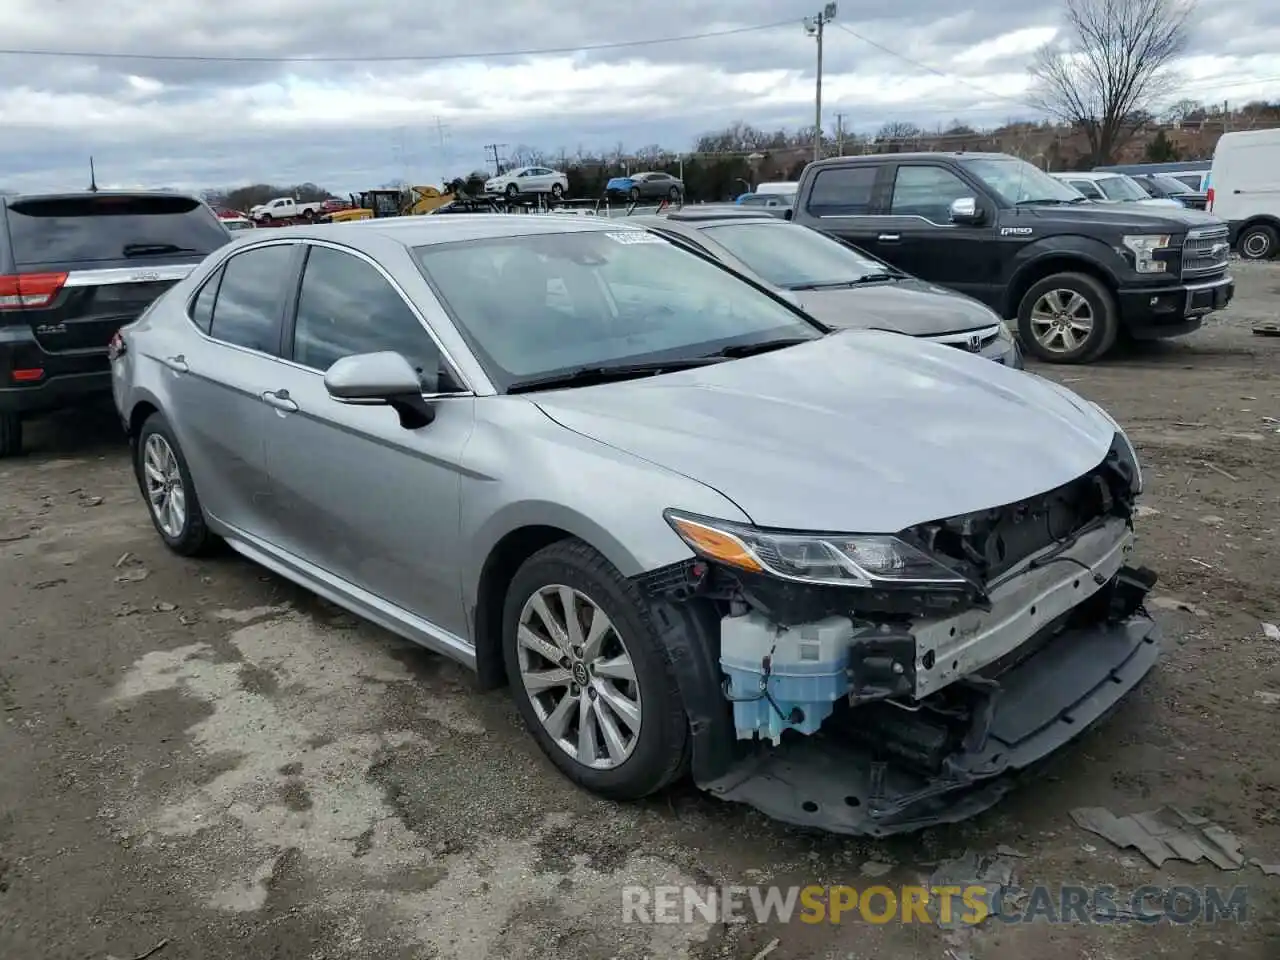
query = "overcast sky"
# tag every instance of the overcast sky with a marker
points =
(357, 124)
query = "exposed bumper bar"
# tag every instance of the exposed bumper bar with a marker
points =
(826, 782)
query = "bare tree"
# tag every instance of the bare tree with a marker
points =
(898, 130)
(1117, 62)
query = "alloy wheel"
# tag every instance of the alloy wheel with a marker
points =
(165, 491)
(579, 676)
(1061, 320)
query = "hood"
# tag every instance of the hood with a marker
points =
(860, 432)
(906, 306)
(1124, 216)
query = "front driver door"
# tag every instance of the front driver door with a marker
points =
(362, 498)
(919, 237)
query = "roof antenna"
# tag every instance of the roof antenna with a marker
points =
(93, 177)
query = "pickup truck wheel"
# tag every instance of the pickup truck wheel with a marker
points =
(1068, 318)
(1258, 242)
(590, 675)
(265, 217)
(10, 434)
(308, 214)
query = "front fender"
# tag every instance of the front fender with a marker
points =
(1098, 255)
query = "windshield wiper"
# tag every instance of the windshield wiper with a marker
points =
(740, 350)
(878, 277)
(150, 249)
(602, 373)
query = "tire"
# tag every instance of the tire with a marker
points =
(512, 191)
(265, 218)
(10, 434)
(634, 195)
(674, 194)
(1258, 242)
(658, 753)
(308, 215)
(1056, 291)
(191, 536)
(557, 191)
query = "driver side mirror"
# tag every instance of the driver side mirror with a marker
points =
(788, 213)
(965, 210)
(381, 379)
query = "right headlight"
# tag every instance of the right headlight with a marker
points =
(832, 559)
(1143, 247)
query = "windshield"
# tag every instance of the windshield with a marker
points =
(1016, 181)
(790, 256)
(1121, 188)
(535, 306)
(1170, 185)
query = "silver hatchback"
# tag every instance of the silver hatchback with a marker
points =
(694, 529)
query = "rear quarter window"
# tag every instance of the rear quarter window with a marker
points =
(93, 229)
(843, 191)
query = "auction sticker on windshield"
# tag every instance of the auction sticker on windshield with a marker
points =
(635, 236)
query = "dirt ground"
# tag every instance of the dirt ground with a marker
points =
(199, 755)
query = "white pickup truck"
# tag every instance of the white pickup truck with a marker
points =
(283, 208)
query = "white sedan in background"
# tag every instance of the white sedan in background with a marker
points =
(1106, 187)
(524, 181)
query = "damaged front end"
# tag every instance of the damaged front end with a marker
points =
(878, 684)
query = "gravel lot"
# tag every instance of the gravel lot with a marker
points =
(200, 753)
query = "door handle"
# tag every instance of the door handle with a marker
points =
(889, 237)
(177, 364)
(280, 400)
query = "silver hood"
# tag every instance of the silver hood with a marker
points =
(905, 306)
(861, 432)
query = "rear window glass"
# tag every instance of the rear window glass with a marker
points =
(50, 230)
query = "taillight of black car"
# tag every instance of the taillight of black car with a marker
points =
(29, 290)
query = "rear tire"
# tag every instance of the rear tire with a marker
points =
(557, 191)
(158, 457)
(674, 194)
(308, 214)
(1068, 318)
(630, 752)
(1258, 242)
(10, 434)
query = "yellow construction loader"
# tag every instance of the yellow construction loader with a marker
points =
(371, 204)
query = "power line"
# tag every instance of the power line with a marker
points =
(402, 58)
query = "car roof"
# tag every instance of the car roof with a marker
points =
(421, 231)
(1090, 174)
(895, 157)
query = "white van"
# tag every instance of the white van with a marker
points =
(1244, 190)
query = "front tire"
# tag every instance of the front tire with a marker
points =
(512, 191)
(1258, 242)
(634, 194)
(1068, 318)
(166, 485)
(10, 434)
(674, 194)
(590, 674)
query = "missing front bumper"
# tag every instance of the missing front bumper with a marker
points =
(828, 782)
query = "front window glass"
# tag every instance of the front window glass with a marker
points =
(1121, 188)
(545, 304)
(791, 256)
(1016, 181)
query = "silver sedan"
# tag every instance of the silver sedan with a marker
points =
(585, 461)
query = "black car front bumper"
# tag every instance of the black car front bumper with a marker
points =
(1149, 314)
(829, 782)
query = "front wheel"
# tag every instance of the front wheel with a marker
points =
(590, 675)
(1257, 242)
(512, 191)
(265, 218)
(674, 194)
(1068, 318)
(171, 496)
(634, 194)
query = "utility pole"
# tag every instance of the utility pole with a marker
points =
(839, 134)
(814, 27)
(493, 148)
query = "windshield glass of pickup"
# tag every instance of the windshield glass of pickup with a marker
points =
(791, 256)
(1121, 188)
(81, 229)
(536, 306)
(1016, 181)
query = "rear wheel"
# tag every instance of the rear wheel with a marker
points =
(171, 496)
(1257, 242)
(674, 194)
(1068, 318)
(10, 434)
(557, 191)
(308, 214)
(590, 675)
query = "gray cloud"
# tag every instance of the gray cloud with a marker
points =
(190, 122)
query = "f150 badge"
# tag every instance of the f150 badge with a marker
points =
(144, 277)
(1015, 231)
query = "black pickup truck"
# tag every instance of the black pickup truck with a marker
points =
(1075, 275)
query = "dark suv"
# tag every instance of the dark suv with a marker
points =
(74, 268)
(1073, 274)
